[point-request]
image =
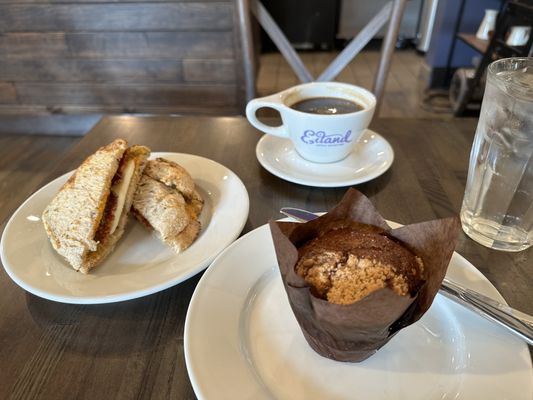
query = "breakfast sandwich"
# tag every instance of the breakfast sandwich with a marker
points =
(167, 203)
(87, 217)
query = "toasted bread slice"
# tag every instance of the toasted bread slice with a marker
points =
(107, 243)
(163, 207)
(75, 214)
(186, 237)
(175, 176)
(168, 203)
(171, 174)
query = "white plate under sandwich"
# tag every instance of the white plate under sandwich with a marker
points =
(140, 264)
(242, 341)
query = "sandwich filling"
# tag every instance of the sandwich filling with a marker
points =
(120, 190)
(116, 200)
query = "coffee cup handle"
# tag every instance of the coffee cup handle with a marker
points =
(269, 102)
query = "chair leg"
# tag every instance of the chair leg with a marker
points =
(245, 32)
(356, 45)
(387, 50)
(277, 36)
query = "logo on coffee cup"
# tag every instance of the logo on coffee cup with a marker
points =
(320, 138)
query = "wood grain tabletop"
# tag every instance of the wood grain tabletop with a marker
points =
(134, 349)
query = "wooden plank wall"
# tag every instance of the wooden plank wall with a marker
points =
(92, 56)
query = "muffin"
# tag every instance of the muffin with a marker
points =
(344, 265)
(353, 282)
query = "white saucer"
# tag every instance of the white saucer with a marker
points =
(371, 158)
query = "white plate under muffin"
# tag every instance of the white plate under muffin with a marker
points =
(243, 342)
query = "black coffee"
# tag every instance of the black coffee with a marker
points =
(326, 105)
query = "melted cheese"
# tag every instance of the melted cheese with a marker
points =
(120, 189)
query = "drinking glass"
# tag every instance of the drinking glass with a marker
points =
(497, 209)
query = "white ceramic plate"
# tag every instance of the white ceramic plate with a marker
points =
(243, 342)
(372, 157)
(140, 264)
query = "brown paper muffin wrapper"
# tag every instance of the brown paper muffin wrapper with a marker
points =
(356, 331)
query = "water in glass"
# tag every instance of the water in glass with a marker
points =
(497, 208)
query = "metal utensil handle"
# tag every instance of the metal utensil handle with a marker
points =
(513, 320)
(516, 322)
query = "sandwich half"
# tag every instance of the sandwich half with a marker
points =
(168, 203)
(87, 217)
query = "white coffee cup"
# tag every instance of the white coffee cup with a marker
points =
(518, 36)
(320, 138)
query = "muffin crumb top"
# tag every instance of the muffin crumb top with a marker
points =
(344, 265)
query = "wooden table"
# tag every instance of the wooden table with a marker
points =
(135, 349)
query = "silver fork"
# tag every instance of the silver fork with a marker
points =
(518, 323)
